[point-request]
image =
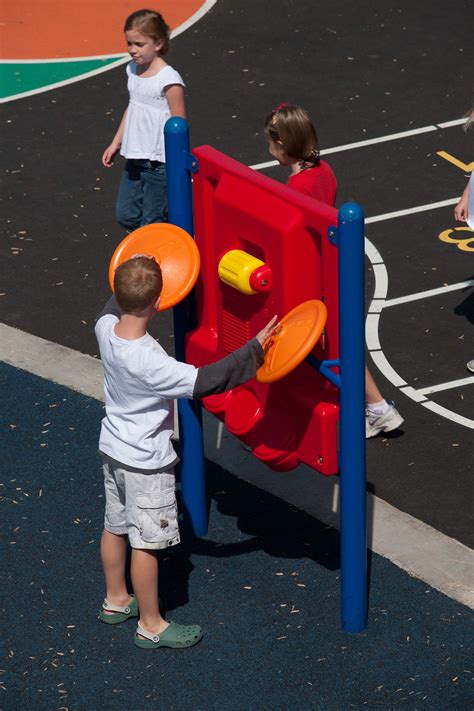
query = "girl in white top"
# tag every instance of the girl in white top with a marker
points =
(464, 210)
(156, 93)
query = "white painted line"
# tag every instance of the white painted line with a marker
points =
(261, 166)
(411, 210)
(413, 394)
(65, 82)
(449, 414)
(370, 142)
(372, 332)
(423, 552)
(51, 361)
(376, 306)
(448, 124)
(381, 281)
(447, 386)
(203, 10)
(372, 252)
(380, 360)
(62, 60)
(430, 292)
(381, 139)
(121, 58)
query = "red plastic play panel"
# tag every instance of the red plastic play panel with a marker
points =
(299, 332)
(294, 420)
(174, 250)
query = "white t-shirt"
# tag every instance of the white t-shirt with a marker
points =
(140, 380)
(470, 202)
(147, 113)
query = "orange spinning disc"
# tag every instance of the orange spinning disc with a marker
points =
(174, 250)
(299, 332)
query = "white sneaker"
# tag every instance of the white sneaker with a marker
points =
(470, 366)
(387, 422)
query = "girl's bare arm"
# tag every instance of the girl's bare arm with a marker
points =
(175, 97)
(111, 151)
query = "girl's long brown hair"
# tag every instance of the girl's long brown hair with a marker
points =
(291, 126)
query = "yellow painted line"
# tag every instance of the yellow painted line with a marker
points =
(466, 167)
(466, 245)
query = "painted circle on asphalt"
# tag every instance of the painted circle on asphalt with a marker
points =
(58, 29)
(44, 45)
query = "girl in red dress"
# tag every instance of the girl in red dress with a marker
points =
(293, 141)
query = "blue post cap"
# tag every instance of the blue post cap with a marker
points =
(176, 124)
(351, 211)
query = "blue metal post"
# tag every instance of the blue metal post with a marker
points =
(350, 240)
(180, 213)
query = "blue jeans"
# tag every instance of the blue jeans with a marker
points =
(141, 197)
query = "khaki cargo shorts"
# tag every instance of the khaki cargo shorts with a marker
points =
(140, 503)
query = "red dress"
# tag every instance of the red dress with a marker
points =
(318, 182)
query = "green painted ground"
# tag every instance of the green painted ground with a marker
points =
(18, 78)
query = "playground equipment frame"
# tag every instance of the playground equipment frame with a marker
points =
(348, 236)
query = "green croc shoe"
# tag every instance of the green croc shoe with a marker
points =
(121, 614)
(175, 636)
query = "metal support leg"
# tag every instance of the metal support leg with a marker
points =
(180, 213)
(352, 424)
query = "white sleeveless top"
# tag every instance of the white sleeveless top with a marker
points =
(147, 113)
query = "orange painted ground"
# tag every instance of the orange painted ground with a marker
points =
(45, 29)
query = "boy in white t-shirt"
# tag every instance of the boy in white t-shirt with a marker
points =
(140, 382)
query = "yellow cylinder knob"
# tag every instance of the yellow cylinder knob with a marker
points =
(235, 269)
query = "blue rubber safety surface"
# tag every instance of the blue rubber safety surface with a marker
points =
(264, 585)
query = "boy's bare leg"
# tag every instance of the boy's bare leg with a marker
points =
(372, 393)
(113, 551)
(144, 573)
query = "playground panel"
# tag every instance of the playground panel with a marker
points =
(293, 420)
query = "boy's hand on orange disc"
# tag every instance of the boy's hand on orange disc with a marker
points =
(264, 337)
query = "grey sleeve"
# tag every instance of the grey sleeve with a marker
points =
(233, 370)
(111, 307)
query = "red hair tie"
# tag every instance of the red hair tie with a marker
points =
(281, 106)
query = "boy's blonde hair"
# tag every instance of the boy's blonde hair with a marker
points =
(151, 24)
(137, 284)
(291, 126)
